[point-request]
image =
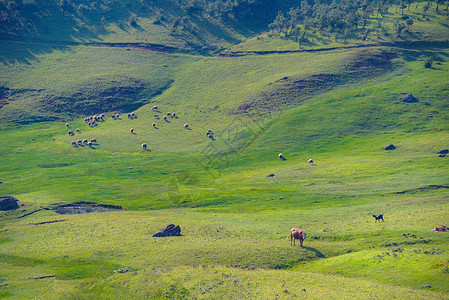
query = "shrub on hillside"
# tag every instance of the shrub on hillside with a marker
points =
(428, 62)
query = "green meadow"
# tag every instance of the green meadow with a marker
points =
(260, 96)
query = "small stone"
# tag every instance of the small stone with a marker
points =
(8, 203)
(390, 147)
(409, 98)
(170, 230)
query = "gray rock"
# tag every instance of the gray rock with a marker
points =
(390, 147)
(442, 155)
(270, 175)
(170, 230)
(409, 98)
(8, 203)
(443, 151)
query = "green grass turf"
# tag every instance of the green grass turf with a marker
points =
(234, 219)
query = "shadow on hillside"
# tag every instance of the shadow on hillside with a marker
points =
(44, 29)
(317, 252)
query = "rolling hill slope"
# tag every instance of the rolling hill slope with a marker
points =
(337, 103)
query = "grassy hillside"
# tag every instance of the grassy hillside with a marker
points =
(262, 97)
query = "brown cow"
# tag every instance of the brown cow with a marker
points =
(297, 234)
(441, 228)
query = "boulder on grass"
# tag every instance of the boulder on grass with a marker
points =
(170, 230)
(8, 203)
(409, 98)
(443, 151)
(390, 147)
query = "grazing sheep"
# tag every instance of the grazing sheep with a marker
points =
(144, 146)
(129, 116)
(133, 114)
(70, 132)
(154, 107)
(310, 161)
(90, 124)
(156, 116)
(86, 120)
(113, 117)
(93, 140)
(281, 156)
(154, 124)
(73, 143)
(168, 114)
(90, 144)
(132, 130)
(117, 116)
(79, 142)
(78, 130)
(102, 116)
(165, 118)
(174, 115)
(85, 141)
(186, 125)
(67, 125)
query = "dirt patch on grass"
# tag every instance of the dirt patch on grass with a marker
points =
(85, 207)
(48, 222)
(42, 277)
(423, 189)
(33, 212)
(49, 166)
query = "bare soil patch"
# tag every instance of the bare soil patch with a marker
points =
(85, 207)
(425, 188)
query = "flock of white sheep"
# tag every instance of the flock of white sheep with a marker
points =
(93, 120)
